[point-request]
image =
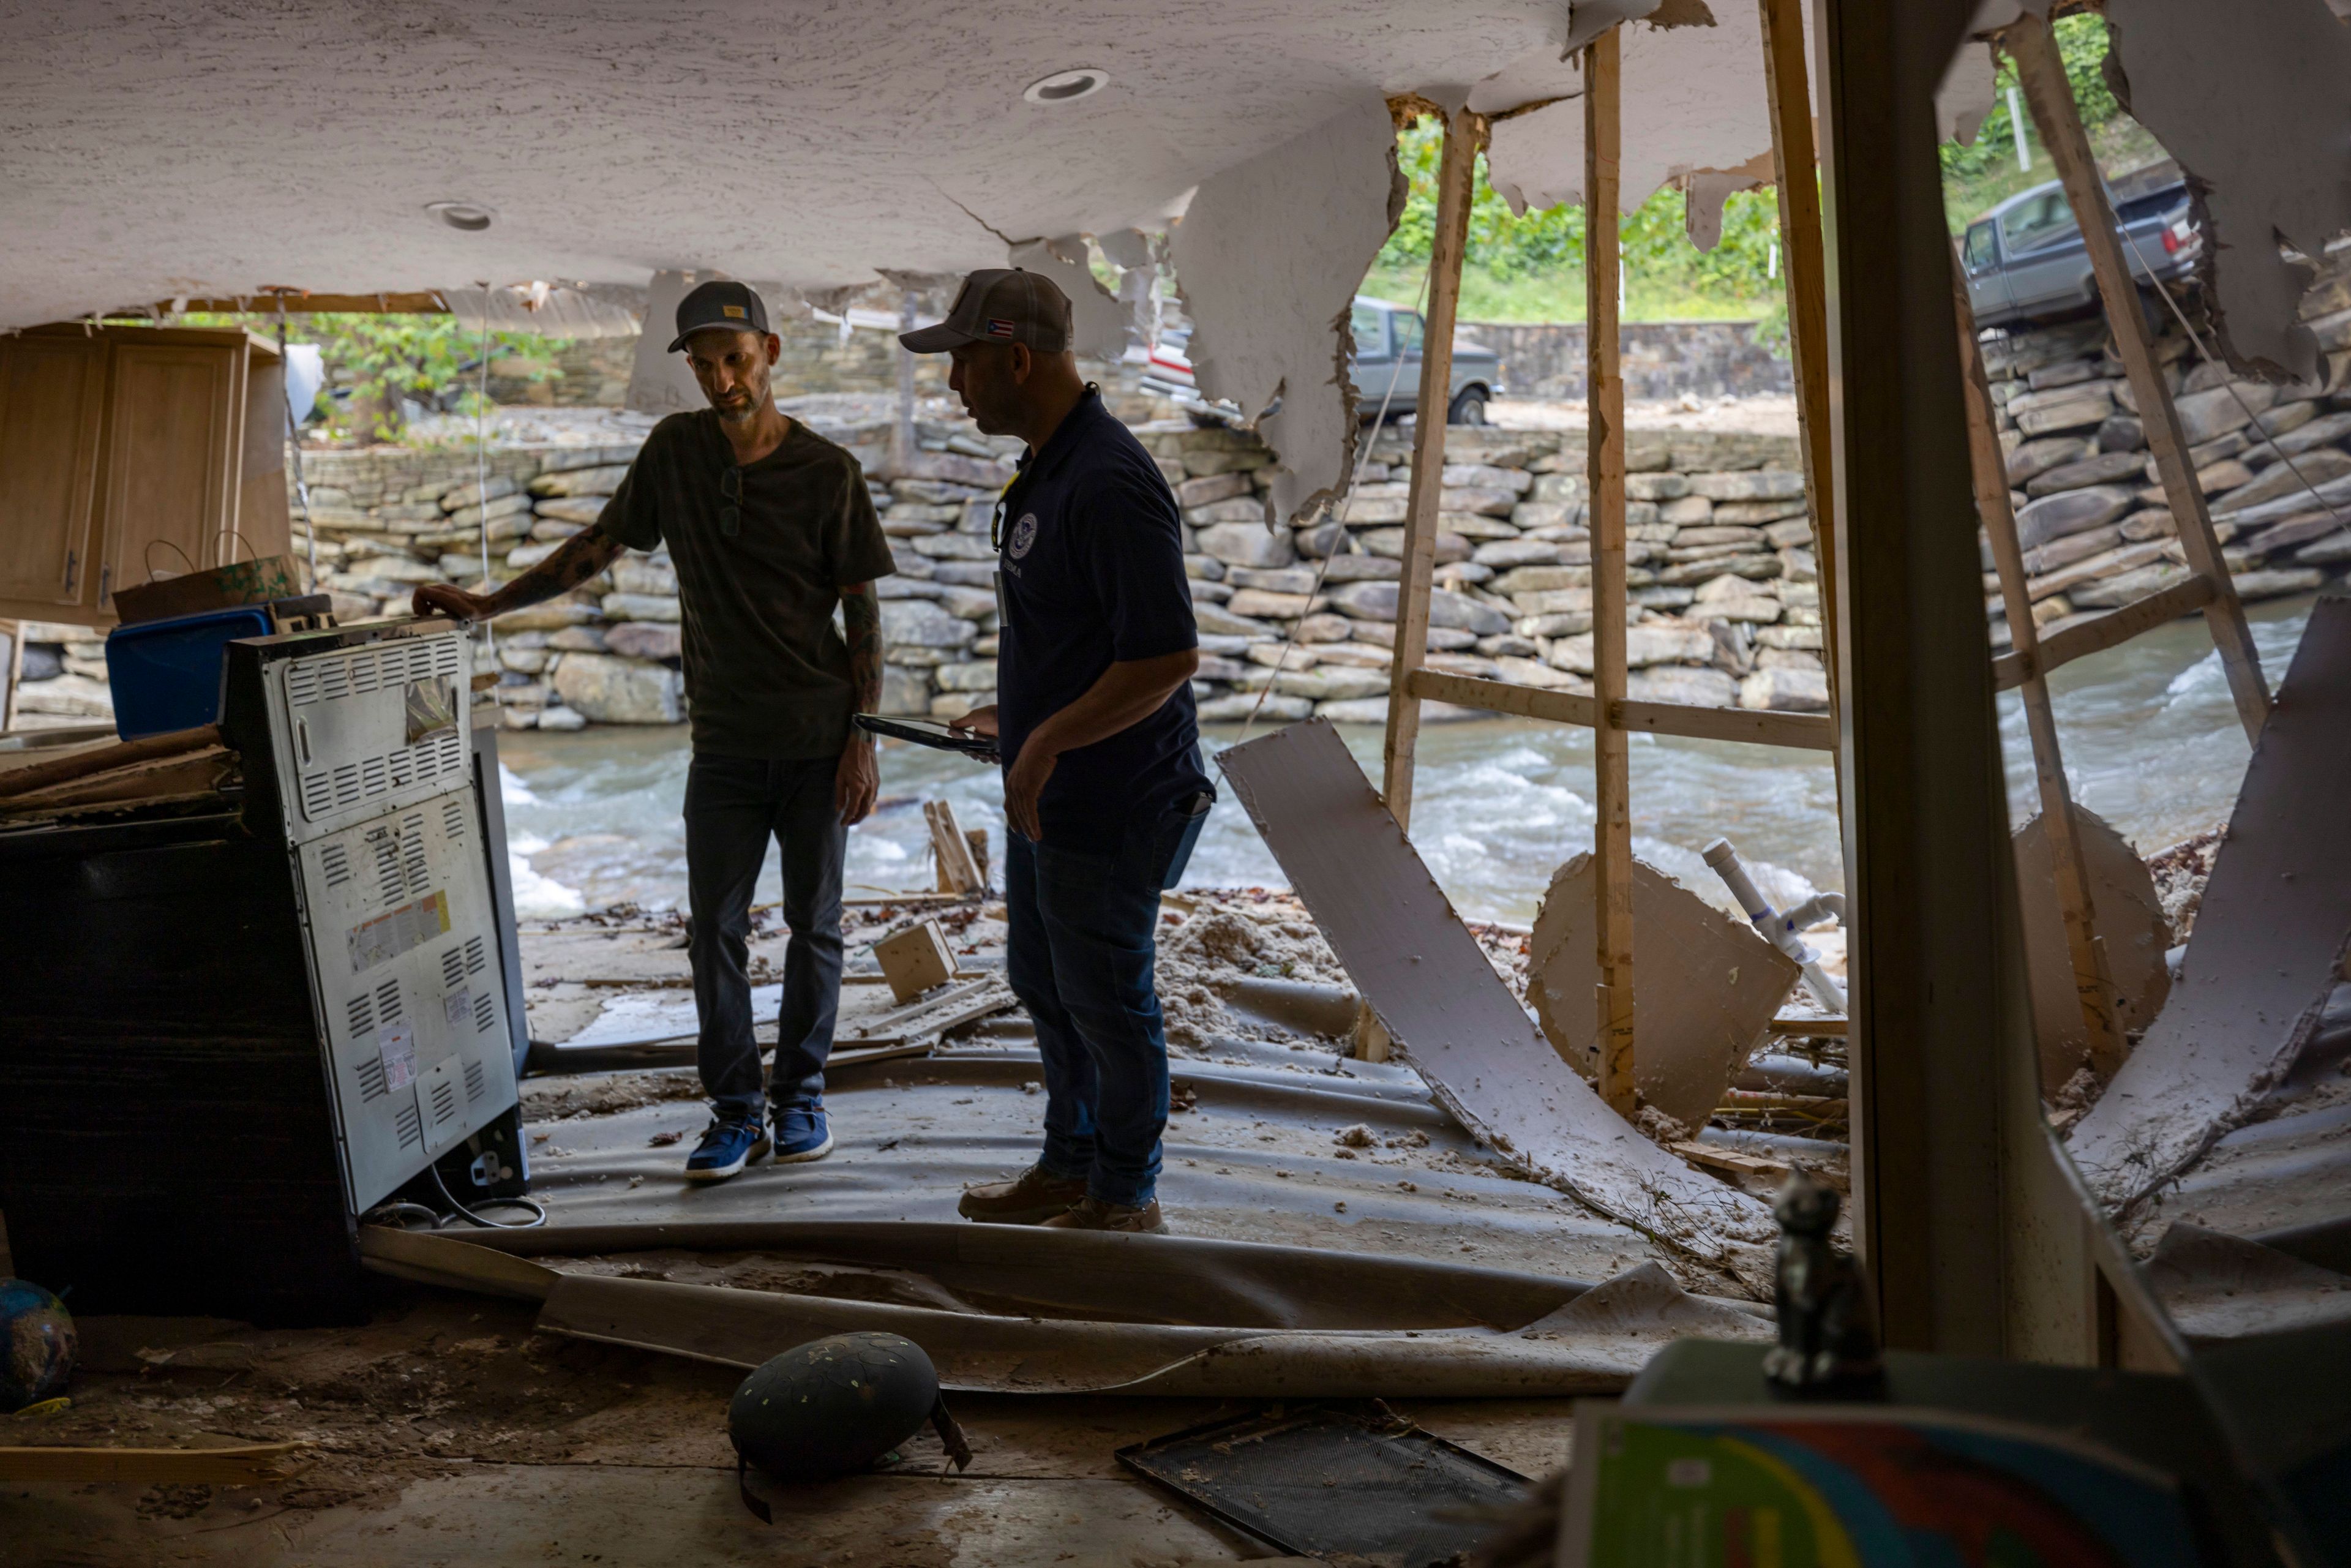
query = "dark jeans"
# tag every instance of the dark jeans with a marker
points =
(1080, 952)
(732, 805)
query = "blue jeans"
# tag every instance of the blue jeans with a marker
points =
(1082, 938)
(733, 805)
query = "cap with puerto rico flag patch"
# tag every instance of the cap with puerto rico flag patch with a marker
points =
(999, 305)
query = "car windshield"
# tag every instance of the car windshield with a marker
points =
(1371, 338)
(1980, 247)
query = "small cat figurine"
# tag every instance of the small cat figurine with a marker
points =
(1828, 1326)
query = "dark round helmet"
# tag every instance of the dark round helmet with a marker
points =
(833, 1405)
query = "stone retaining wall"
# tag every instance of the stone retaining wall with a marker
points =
(1663, 359)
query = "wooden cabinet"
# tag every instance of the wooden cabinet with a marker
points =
(127, 453)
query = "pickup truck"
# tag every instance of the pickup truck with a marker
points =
(2025, 260)
(1384, 367)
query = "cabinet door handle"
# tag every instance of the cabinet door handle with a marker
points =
(105, 583)
(73, 571)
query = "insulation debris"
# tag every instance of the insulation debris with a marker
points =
(1432, 989)
(2270, 941)
(1705, 987)
(1268, 256)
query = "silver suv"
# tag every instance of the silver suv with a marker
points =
(1385, 368)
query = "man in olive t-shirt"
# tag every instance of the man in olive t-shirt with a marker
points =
(770, 528)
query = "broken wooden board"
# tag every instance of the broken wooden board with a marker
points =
(2130, 922)
(1431, 987)
(243, 1464)
(1705, 991)
(2269, 942)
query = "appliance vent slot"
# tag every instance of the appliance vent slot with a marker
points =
(477, 1082)
(443, 653)
(347, 786)
(452, 967)
(386, 1001)
(445, 1101)
(452, 819)
(361, 1013)
(409, 1126)
(412, 851)
(363, 672)
(336, 861)
(334, 679)
(485, 1013)
(370, 1077)
(373, 777)
(302, 683)
(390, 881)
(318, 793)
(475, 958)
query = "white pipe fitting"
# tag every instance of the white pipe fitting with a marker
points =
(1781, 930)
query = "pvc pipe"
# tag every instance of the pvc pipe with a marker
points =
(1779, 930)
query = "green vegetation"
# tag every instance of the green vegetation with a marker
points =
(1983, 173)
(1531, 268)
(380, 360)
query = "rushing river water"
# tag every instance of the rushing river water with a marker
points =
(2151, 740)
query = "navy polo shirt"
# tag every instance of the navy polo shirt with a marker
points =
(1092, 572)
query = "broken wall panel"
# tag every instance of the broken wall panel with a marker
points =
(1430, 987)
(2270, 940)
(2130, 922)
(1268, 257)
(1705, 991)
(1098, 321)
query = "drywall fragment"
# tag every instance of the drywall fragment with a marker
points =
(1451, 1016)
(1555, 71)
(1970, 85)
(1268, 257)
(1703, 193)
(2216, 1287)
(1705, 987)
(2129, 919)
(2249, 97)
(2268, 944)
(1694, 100)
(1098, 318)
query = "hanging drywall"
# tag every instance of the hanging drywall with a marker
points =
(1556, 69)
(1694, 102)
(1431, 987)
(1970, 86)
(1268, 260)
(2129, 921)
(1705, 987)
(2271, 937)
(660, 383)
(1098, 321)
(2250, 98)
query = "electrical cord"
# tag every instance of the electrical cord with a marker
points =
(538, 1209)
(396, 1215)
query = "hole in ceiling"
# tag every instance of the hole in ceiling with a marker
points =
(471, 216)
(1062, 87)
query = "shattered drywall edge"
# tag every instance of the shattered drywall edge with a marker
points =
(1969, 88)
(2248, 100)
(1098, 322)
(1268, 260)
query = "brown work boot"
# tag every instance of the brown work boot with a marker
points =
(1093, 1214)
(1035, 1197)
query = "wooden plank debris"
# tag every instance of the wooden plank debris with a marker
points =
(951, 850)
(2100, 632)
(1431, 987)
(915, 959)
(243, 1464)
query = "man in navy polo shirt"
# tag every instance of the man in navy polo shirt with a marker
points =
(1103, 785)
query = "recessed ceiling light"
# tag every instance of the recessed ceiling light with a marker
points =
(471, 216)
(1061, 87)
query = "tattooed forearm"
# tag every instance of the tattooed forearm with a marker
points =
(580, 557)
(861, 618)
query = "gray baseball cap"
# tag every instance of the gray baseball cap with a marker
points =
(999, 305)
(734, 306)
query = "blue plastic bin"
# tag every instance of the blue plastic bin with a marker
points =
(166, 674)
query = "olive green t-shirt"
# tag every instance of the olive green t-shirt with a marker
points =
(767, 675)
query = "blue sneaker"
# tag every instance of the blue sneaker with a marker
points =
(801, 1132)
(726, 1147)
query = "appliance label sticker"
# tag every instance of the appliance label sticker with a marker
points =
(387, 937)
(397, 1046)
(459, 1008)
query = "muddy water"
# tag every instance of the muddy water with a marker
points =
(2151, 742)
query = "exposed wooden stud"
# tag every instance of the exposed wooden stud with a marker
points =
(2099, 632)
(2054, 114)
(13, 677)
(958, 873)
(2077, 909)
(1464, 133)
(1503, 696)
(1612, 833)
(1791, 731)
(1793, 163)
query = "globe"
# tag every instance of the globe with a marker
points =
(36, 1345)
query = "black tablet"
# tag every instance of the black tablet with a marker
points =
(931, 733)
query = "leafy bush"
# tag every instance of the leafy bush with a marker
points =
(380, 359)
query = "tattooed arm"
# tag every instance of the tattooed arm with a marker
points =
(858, 779)
(581, 556)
